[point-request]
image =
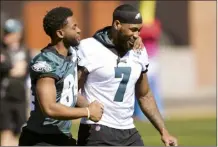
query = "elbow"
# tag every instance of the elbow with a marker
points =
(48, 112)
(143, 93)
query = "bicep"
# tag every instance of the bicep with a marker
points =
(46, 92)
(142, 85)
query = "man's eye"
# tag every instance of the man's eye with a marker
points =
(134, 29)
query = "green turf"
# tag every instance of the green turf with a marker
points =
(197, 132)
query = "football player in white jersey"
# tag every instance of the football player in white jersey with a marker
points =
(111, 72)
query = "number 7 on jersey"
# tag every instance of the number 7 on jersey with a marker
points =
(119, 71)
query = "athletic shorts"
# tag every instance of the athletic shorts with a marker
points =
(100, 135)
(30, 138)
(12, 115)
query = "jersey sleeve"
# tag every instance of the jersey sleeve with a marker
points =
(88, 56)
(43, 66)
(144, 60)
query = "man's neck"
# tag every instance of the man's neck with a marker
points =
(61, 48)
(112, 36)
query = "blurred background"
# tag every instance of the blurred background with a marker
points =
(180, 37)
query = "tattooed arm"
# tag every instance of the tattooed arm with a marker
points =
(149, 107)
(147, 103)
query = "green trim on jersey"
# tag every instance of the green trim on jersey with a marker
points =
(51, 64)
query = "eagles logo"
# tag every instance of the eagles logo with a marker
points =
(42, 66)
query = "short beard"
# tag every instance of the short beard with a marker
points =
(72, 43)
(122, 42)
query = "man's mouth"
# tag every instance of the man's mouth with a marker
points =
(131, 43)
(78, 39)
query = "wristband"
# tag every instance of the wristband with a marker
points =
(88, 112)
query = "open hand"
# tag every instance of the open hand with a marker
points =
(169, 140)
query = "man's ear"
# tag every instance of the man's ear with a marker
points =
(117, 25)
(60, 34)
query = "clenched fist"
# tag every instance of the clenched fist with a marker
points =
(96, 111)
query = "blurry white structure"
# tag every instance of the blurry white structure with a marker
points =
(178, 74)
(182, 95)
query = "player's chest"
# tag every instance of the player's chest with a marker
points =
(66, 68)
(112, 70)
(67, 77)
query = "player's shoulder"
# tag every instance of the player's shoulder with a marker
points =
(47, 54)
(139, 53)
(45, 61)
(141, 57)
(88, 41)
(88, 47)
(144, 51)
(143, 54)
(89, 44)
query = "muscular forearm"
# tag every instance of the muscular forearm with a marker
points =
(59, 111)
(82, 101)
(46, 94)
(149, 108)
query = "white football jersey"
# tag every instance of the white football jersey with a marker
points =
(110, 82)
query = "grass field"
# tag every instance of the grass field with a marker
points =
(192, 132)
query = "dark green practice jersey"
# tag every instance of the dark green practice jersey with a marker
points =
(64, 70)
